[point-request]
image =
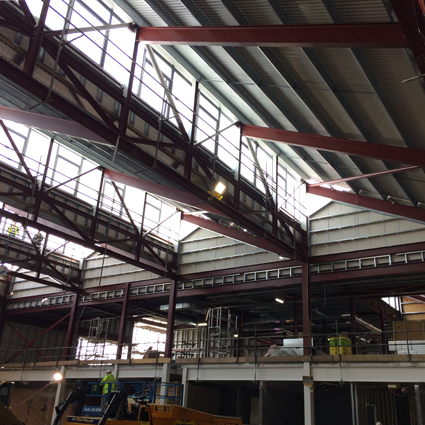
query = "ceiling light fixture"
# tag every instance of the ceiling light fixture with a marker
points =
(220, 188)
(279, 300)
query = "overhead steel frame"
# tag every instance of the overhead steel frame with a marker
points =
(73, 233)
(344, 35)
(387, 207)
(201, 158)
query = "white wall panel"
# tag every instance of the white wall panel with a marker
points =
(342, 228)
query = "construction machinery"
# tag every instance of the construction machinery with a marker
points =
(118, 411)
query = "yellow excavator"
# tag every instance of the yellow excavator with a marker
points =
(118, 412)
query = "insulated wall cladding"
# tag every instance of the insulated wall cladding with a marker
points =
(100, 270)
(47, 347)
(341, 228)
(204, 250)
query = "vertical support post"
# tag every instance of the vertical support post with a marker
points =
(382, 340)
(420, 403)
(189, 152)
(39, 198)
(296, 320)
(71, 328)
(96, 211)
(3, 303)
(185, 383)
(306, 308)
(139, 241)
(35, 43)
(308, 398)
(237, 188)
(276, 201)
(126, 107)
(123, 320)
(170, 320)
(353, 326)
(165, 379)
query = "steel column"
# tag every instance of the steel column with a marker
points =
(353, 327)
(35, 42)
(189, 151)
(123, 320)
(306, 308)
(71, 328)
(125, 109)
(170, 319)
(335, 35)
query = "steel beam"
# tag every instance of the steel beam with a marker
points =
(123, 320)
(44, 122)
(67, 234)
(412, 20)
(367, 176)
(332, 144)
(168, 351)
(344, 35)
(386, 207)
(35, 42)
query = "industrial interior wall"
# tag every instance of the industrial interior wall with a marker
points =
(341, 228)
(376, 401)
(45, 348)
(413, 310)
(204, 250)
(332, 403)
(101, 271)
(281, 404)
(204, 398)
(37, 407)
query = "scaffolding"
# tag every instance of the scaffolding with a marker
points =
(93, 347)
(222, 330)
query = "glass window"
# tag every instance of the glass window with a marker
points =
(91, 43)
(56, 14)
(119, 52)
(152, 91)
(247, 164)
(183, 98)
(228, 143)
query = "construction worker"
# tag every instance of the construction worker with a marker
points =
(38, 238)
(13, 230)
(108, 384)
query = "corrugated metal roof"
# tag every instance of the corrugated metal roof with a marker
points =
(347, 93)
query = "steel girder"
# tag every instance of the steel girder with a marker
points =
(56, 203)
(344, 35)
(65, 233)
(36, 88)
(332, 144)
(386, 207)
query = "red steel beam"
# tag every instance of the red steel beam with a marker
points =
(44, 122)
(411, 18)
(385, 207)
(334, 35)
(333, 144)
(367, 176)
